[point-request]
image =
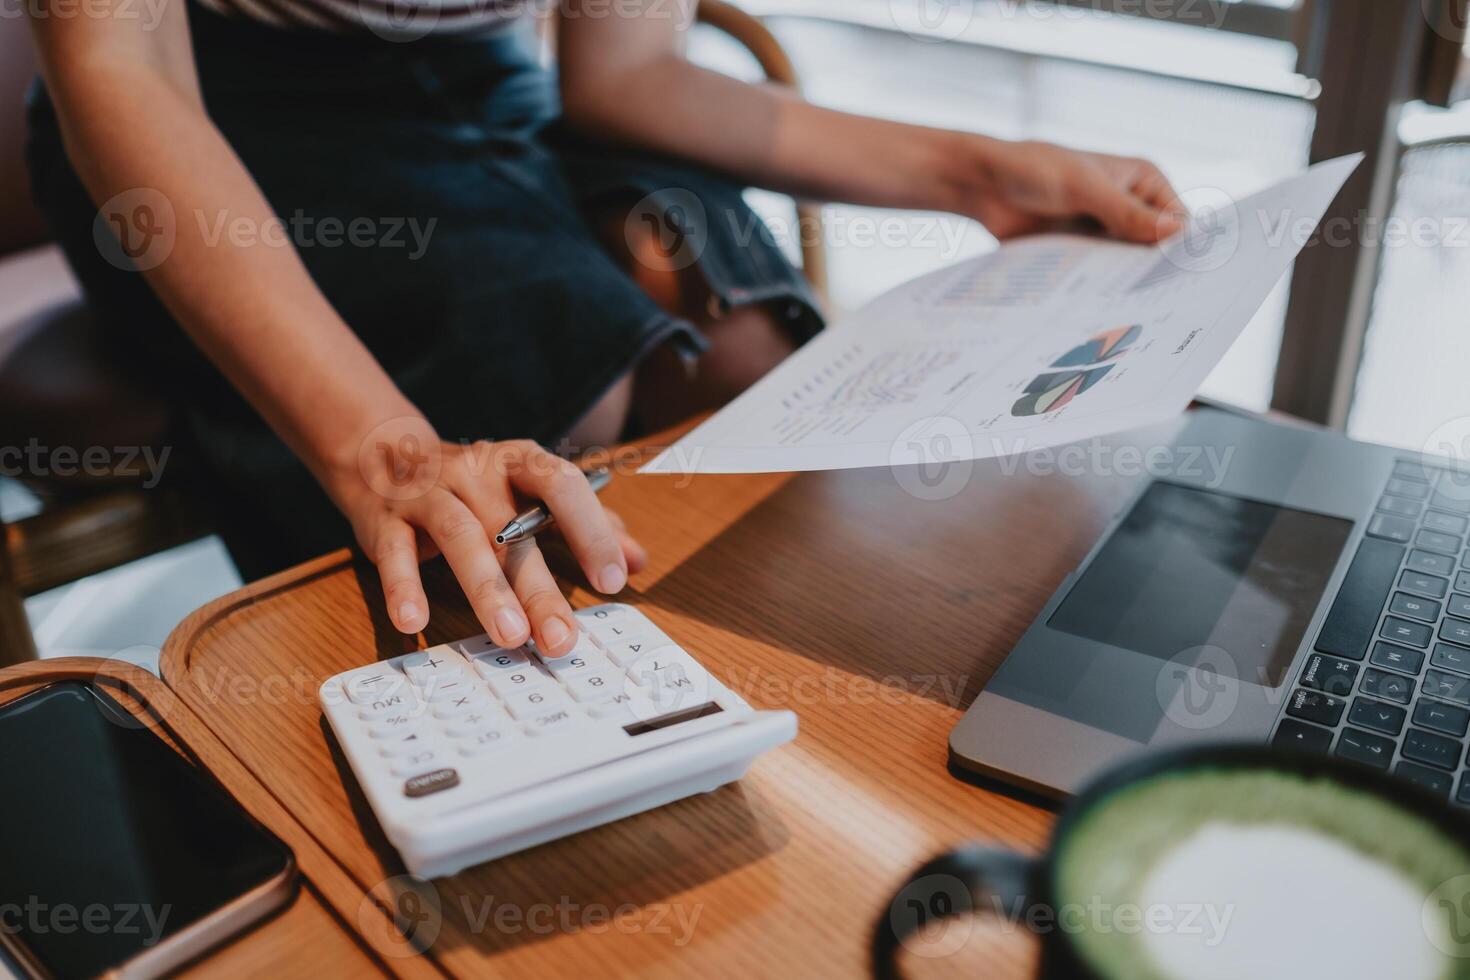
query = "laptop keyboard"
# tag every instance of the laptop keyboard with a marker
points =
(1388, 682)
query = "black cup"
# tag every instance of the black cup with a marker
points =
(976, 879)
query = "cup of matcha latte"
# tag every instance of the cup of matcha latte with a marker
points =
(1230, 863)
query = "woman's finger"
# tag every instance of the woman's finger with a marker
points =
(633, 552)
(466, 546)
(564, 490)
(1120, 212)
(551, 617)
(1154, 188)
(397, 559)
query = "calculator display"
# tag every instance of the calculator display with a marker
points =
(677, 718)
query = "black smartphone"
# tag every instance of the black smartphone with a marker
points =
(117, 856)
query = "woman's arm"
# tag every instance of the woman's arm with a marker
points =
(132, 117)
(625, 78)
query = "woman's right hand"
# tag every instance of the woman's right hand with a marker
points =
(411, 496)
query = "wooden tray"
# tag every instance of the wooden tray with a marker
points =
(309, 938)
(874, 613)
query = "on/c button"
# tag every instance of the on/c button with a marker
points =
(430, 782)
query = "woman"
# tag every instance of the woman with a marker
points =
(390, 236)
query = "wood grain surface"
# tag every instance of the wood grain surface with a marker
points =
(305, 939)
(874, 604)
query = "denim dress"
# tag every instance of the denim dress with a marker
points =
(444, 210)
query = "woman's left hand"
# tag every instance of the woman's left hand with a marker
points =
(1021, 188)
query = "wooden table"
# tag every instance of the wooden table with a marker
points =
(854, 599)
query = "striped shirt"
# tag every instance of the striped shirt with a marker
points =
(394, 20)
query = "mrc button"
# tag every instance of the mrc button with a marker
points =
(431, 782)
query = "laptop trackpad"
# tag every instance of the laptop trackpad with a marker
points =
(1192, 583)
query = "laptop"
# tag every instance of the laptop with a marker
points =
(1312, 592)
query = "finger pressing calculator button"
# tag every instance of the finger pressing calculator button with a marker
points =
(511, 682)
(524, 704)
(583, 653)
(490, 664)
(425, 665)
(561, 720)
(566, 668)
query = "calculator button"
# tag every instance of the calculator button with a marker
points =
(524, 704)
(405, 700)
(367, 686)
(491, 740)
(575, 663)
(477, 646)
(1458, 605)
(474, 722)
(626, 651)
(613, 628)
(404, 744)
(430, 782)
(415, 764)
(595, 685)
(584, 649)
(395, 725)
(463, 704)
(632, 702)
(553, 722)
(510, 682)
(447, 687)
(489, 664)
(424, 666)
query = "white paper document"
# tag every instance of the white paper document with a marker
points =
(1045, 341)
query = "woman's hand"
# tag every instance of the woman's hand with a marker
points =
(411, 496)
(1020, 188)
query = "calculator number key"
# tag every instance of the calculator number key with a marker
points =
(536, 701)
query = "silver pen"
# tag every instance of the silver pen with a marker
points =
(538, 518)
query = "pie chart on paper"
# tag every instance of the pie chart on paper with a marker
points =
(1102, 348)
(1053, 392)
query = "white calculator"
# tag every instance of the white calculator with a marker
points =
(468, 751)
